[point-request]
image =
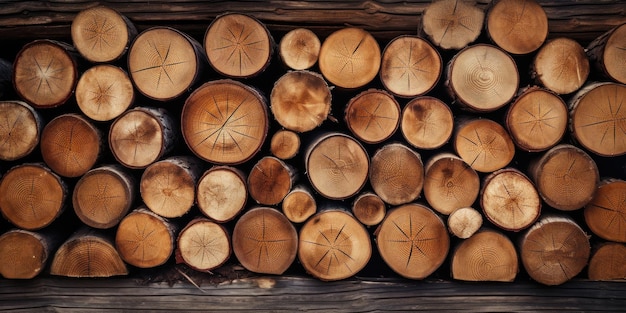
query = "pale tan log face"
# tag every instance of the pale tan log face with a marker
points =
(373, 116)
(605, 214)
(413, 241)
(299, 205)
(599, 120)
(452, 24)
(136, 139)
(410, 66)
(464, 222)
(265, 241)
(485, 256)
(100, 34)
(144, 240)
(23, 255)
(32, 196)
(562, 65)
(333, 246)
(300, 100)
(427, 123)
(537, 120)
(397, 174)
(483, 77)
(300, 48)
(484, 144)
(224, 122)
(509, 199)
(450, 184)
(221, 193)
(350, 58)
(162, 63)
(554, 251)
(101, 198)
(614, 55)
(204, 245)
(566, 178)
(104, 92)
(167, 189)
(519, 27)
(237, 45)
(337, 166)
(19, 130)
(44, 74)
(70, 145)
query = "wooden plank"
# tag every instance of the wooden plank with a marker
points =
(579, 20)
(291, 293)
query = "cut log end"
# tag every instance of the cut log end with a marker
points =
(486, 256)
(22, 131)
(410, 66)
(299, 49)
(299, 205)
(203, 245)
(144, 239)
(413, 241)
(350, 58)
(427, 123)
(554, 250)
(397, 174)
(101, 34)
(168, 188)
(369, 209)
(483, 144)
(604, 213)
(373, 116)
(452, 24)
(270, 180)
(222, 193)
(518, 27)
(24, 254)
(285, 144)
(265, 241)
(561, 65)
(238, 45)
(450, 183)
(606, 263)
(333, 245)
(608, 53)
(104, 92)
(464, 222)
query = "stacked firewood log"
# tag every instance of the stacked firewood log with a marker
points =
(477, 143)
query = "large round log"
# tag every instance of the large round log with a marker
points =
(452, 24)
(483, 144)
(104, 92)
(561, 65)
(518, 27)
(449, 183)
(427, 123)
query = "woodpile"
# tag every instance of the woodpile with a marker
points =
(478, 149)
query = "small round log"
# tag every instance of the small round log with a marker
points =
(299, 49)
(396, 174)
(565, 176)
(427, 123)
(300, 100)
(270, 180)
(103, 196)
(203, 245)
(285, 144)
(561, 65)
(487, 255)
(350, 58)
(102, 34)
(449, 183)
(452, 24)
(509, 199)
(373, 116)
(45, 73)
(483, 144)
(165, 63)
(104, 92)
(20, 131)
(145, 239)
(222, 193)
(369, 209)
(518, 27)
(410, 66)
(142, 136)
(33, 196)
(299, 204)
(333, 245)
(464, 222)
(413, 241)
(554, 250)
(337, 165)
(238, 45)
(537, 119)
(265, 241)
(168, 186)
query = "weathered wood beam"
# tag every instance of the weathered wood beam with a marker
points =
(580, 20)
